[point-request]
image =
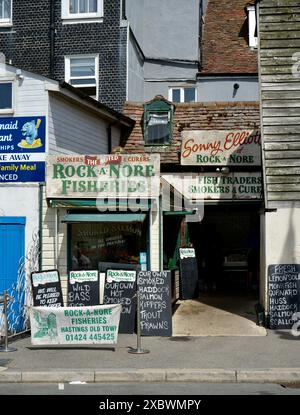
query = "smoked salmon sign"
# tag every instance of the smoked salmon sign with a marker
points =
(221, 148)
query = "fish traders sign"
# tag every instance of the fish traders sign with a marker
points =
(124, 175)
(222, 148)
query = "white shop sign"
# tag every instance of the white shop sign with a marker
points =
(75, 325)
(205, 186)
(221, 148)
(102, 176)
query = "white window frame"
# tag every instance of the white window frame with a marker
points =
(12, 82)
(182, 88)
(7, 22)
(253, 42)
(68, 71)
(81, 17)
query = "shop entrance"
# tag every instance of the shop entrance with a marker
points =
(227, 246)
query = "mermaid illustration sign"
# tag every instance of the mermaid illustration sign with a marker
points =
(22, 149)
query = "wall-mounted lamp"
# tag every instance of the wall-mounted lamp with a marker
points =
(19, 74)
(223, 170)
(235, 89)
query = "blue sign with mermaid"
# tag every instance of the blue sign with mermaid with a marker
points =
(22, 149)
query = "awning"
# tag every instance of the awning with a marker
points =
(94, 203)
(103, 217)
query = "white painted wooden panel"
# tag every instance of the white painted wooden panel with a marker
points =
(73, 130)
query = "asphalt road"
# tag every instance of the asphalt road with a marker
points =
(147, 389)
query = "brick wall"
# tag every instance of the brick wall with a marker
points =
(27, 44)
(195, 116)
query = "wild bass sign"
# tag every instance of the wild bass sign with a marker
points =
(124, 175)
(225, 148)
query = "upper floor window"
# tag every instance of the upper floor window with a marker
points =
(183, 94)
(6, 97)
(158, 118)
(82, 9)
(252, 28)
(82, 72)
(5, 12)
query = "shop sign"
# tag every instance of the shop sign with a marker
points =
(124, 175)
(205, 186)
(221, 148)
(187, 253)
(75, 325)
(120, 276)
(22, 149)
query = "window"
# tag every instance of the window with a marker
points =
(82, 72)
(5, 12)
(182, 94)
(158, 116)
(82, 9)
(252, 26)
(6, 97)
(95, 243)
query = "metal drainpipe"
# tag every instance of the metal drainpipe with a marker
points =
(40, 226)
(109, 139)
(56, 237)
(52, 37)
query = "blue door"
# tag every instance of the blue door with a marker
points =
(12, 250)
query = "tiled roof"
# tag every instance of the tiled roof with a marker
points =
(225, 47)
(191, 116)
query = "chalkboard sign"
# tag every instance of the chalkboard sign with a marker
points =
(120, 288)
(188, 273)
(83, 288)
(46, 289)
(284, 295)
(155, 300)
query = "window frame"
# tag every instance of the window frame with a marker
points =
(81, 17)
(7, 22)
(158, 107)
(12, 109)
(252, 25)
(68, 76)
(182, 88)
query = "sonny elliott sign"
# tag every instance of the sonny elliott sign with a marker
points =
(228, 147)
(124, 175)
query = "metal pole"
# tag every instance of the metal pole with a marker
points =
(6, 348)
(139, 349)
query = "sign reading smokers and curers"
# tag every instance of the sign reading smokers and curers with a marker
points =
(75, 325)
(120, 175)
(22, 149)
(221, 148)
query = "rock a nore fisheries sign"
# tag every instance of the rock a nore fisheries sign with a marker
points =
(221, 148)
(75, 325)
(22, 149)
(124, 175)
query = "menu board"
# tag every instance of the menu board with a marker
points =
(188, 273)
(284, 295)
(120, 288)
(155, 303)
(83, 288)
(46, 289)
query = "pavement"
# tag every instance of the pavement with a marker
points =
(273, 358)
